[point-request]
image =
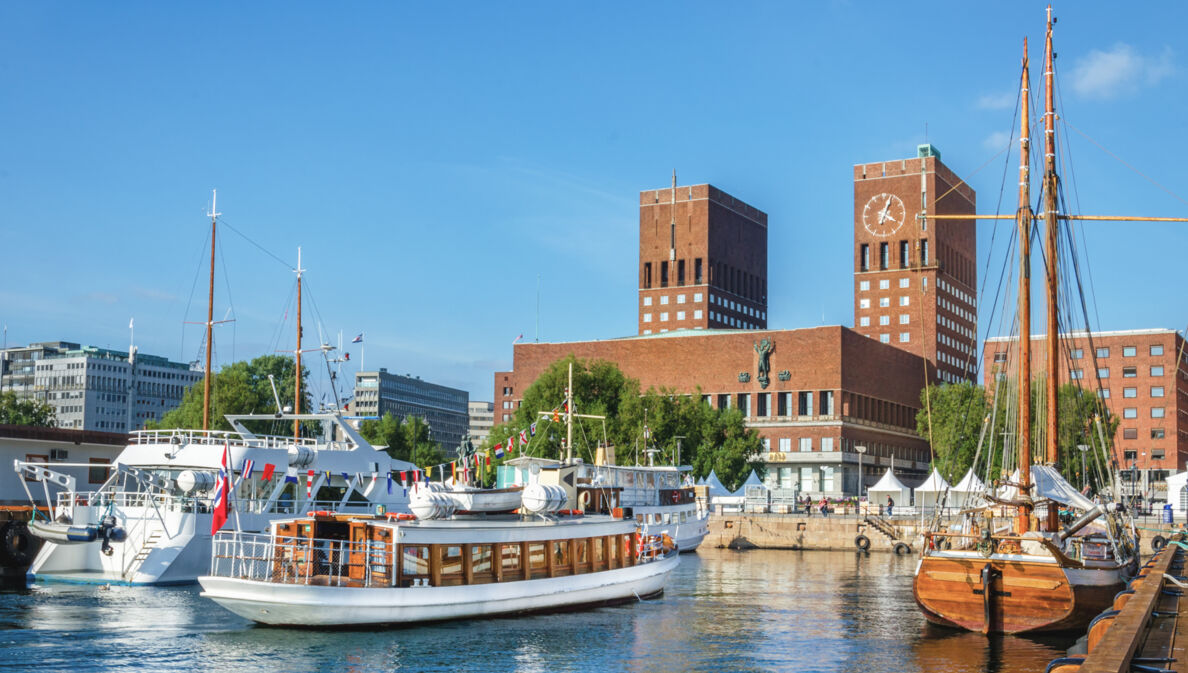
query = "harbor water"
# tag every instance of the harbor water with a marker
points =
(723, 611)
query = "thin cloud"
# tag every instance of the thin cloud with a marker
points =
(101, 298)
(996, 141)
(1119, 71)
(996, 101)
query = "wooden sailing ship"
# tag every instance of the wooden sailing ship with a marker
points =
(1011, 565)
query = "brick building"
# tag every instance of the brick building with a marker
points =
(830, 389)
(915, 277)
(703, 313)
(702, 260)
(1136, 373)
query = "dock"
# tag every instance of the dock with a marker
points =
(1146, 629)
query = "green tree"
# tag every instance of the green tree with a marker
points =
(710, 439)
(406, 439)
(27, 411)
(953, 426)
(239, 388)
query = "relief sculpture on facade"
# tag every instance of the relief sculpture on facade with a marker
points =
(764, 349)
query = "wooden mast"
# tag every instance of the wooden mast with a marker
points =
(1051, 367)
(1024, 218)
(297, 352)
(214, 214)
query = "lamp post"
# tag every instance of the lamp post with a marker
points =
(861, 450)
(1084, 475)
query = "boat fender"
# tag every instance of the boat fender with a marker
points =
(1158, 542)
(862, 542)
(902, 549)
(17, 546)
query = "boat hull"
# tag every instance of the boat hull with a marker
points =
(1025, 596)
(309, 605)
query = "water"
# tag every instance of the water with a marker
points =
(722, 611)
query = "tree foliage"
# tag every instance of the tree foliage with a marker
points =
(710, 439)
(959, 410)
(25, 411)
(406, 439)
(239, 388)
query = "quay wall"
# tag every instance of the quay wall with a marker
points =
(798, 531)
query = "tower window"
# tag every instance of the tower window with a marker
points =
(903, 254)
(697, 271)
(663, 274)
(864, 262)
(681, 272)
(924, 252)
(884, 253)
(647, 279)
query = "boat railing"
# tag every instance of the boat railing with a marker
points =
(182, 436)
(170, 502)
(263, 557)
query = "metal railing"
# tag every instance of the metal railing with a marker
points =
(290, 560)
(218, 438)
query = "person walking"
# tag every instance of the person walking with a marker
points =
(890, 504)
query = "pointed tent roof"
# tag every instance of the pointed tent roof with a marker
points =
(889, 482)
(752, 480)
(935, 483)
(970, 483)
(715, 485)
(701, 481)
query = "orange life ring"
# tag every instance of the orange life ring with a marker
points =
(676, 497)
(400, 516)
(320, 512)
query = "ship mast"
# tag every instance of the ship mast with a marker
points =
(1052, 254)
(1024, 218)
(297, 352)
(214, 214)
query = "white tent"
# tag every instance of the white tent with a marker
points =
(968, 492)
(930, 492)
(889, 485)
(715, 485)
(1176, 493)
(752, 480)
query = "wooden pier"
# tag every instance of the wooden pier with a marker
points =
(1147, 627)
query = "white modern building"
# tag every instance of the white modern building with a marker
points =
(482, 419)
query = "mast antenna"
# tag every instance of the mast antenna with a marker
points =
(297, 352)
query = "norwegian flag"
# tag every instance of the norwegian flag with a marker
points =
(222, 498)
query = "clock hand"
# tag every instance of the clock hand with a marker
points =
(883, 212)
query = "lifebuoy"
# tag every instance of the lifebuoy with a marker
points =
(902, 549)
(320, 512)
(584, 500)
(1158, 542)
(400, 516)
(676, 497)
(17, 544)
(862, 542)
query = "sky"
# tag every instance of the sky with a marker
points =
(448, 167)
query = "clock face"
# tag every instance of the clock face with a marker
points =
(884, 214)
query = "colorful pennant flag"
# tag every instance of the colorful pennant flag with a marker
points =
(248, 465)
(268, 470)
(499, 450)
(532, 429)
(523, 437)
(222, 498)
(309, 477)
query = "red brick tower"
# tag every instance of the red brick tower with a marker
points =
(702, 260)
(915, 278)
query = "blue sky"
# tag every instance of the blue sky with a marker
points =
(434, 160)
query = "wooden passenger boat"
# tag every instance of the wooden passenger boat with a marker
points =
(328, 570)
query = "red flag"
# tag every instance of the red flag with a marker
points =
(268, 469)
(488, 460)
(309, 485)
(222, 499)
(404, 478)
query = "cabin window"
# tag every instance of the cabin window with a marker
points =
(451, 564)
(480, 563)
(684, 517)
(537, 560)
(599, 551)
(511, 561)
(581, 552)
(99, 471)
(561, 557)
(414, 561)
(639, 518)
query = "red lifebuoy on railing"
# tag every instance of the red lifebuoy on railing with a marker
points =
(400, 516)
(320, 512)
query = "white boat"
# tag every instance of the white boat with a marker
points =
(339, 571)
(657, 497)
(150, 521)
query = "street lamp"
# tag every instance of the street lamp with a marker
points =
(861, 450)
(1084, 476)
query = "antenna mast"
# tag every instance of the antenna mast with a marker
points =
(214, 214)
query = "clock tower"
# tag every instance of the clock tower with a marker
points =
(915, 277)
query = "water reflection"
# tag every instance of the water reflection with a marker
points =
(723, 611)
